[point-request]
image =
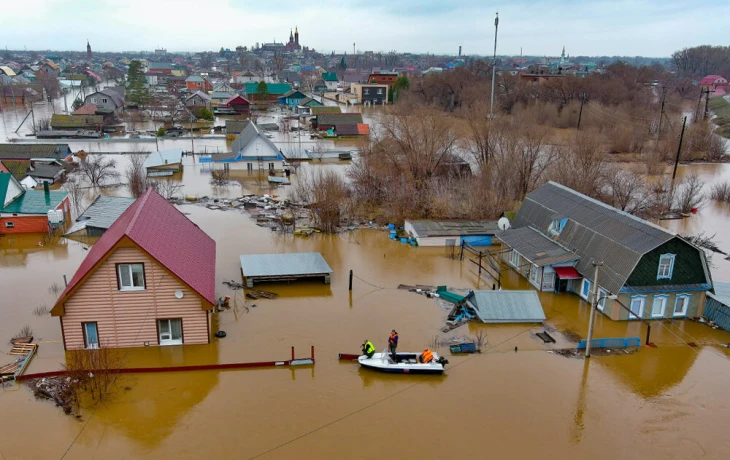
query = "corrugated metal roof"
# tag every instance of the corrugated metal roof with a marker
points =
(292, 264)
(536, 247)
(506, 306)
(426, 228)
(164, 233)
(339, 118)
(46, 171)
(102, 213)
(594, 231)
(28, 151)
(163, 157)
(326, 109)
(59, 121)
(36, 202)
(248, 135)
(722, 293)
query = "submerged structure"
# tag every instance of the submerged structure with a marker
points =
(644, 271)
(284, 267)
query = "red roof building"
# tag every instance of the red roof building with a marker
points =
(149, 280)
(238, 103)
(716, 83)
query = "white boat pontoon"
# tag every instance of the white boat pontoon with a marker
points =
(406, 363)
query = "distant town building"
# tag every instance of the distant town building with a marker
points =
(88, 50)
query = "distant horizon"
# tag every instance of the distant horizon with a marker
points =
(625, 28)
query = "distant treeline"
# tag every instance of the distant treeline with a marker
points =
(698, 61)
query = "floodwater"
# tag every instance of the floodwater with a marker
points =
(667, 402)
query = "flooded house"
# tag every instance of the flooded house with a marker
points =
(451, 232)
(560, 236)
(148, 281)
(251, 150)
(163, 162)
(107, 101)
(30, 211)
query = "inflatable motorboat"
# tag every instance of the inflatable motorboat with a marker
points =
(405, 363)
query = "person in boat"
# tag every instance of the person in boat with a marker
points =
(425, 357)
(393, 344)
(368, 349)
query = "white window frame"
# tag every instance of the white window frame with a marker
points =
(602, 295)
(514, 258)
(662, 274)
(665, 300)
(169, 340)
(548, 280)
(686, 298)
(585, 295)
(640, 298)
(87, 344)
(122, 287)
(535, 276)
(9, 224)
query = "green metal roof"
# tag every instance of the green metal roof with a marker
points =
(329, 76)
(4, 181)
(35, 202)
(272, 88)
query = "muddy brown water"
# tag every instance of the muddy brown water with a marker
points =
(667, 402)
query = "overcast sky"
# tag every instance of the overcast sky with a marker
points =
(625, 28)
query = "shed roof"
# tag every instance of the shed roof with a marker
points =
(722, 293)
(102, 213)
(44, 171)
(426, 228)
(326, 109)
(536, 247)
(339, 118)
(59, 121)
(595, 231)
(35, 202)
(163, 157)
(506, 306)
(163, 232)
(291, 264)
(28, 151)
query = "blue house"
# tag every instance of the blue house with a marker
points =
(292, 98)
(251, 150)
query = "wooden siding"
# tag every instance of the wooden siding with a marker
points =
(129, 318)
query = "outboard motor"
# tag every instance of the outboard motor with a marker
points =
(443, 361)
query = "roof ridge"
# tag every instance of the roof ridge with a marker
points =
(609, 208)
(138, 211)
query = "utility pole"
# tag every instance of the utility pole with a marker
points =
(707, 101)
(580, 113)
(661, 113)
(676, 163)
(494, 66)
(594, 304)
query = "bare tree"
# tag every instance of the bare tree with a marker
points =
(167, 187)
(73, 187)
(580, 164)
(326, 192)
(94, 372)
(41, 124)
(279, 61)
(627, 191)
(219, 177)
(98, 169)
(689, 193)
(136, 174)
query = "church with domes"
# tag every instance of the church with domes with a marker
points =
(293, 44)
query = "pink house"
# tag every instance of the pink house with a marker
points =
(148, 281)
(716, 83)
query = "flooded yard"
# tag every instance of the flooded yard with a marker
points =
(515, 400)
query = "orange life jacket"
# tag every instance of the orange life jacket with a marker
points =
(427, 356)
(393, 340)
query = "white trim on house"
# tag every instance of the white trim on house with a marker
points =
(685, 303)
(641, 303)
(659, 300)
(514, 258)
(129, 283)
(666, 266)
(602, 293)
(585, 293)
(535, 277)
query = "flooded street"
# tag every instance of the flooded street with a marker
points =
(515, 400)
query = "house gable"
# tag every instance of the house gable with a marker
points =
(687, 269)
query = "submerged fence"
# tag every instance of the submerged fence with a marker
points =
(718, 313)
(615, 342)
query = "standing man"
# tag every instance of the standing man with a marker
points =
(368, 349)
(393, 344)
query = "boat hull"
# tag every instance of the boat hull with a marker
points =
(382, 362)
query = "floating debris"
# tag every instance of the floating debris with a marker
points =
(255, 294)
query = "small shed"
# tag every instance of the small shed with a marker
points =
(163, 161)
(500, 307)
(717, 307)
(437, 232)
(284, 267)
(100, 215)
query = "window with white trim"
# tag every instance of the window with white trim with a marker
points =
(602, 299)
(637, 307)
(170, 331)
(535, 275)
(514, 258)
(659, 306)
(131, 277)
(666, 267)
(681, 305)
(9, 225)
(585, 288)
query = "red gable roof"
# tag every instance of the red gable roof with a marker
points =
(710, 79)
(237, 100)
(86, 109)
(167, 236)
